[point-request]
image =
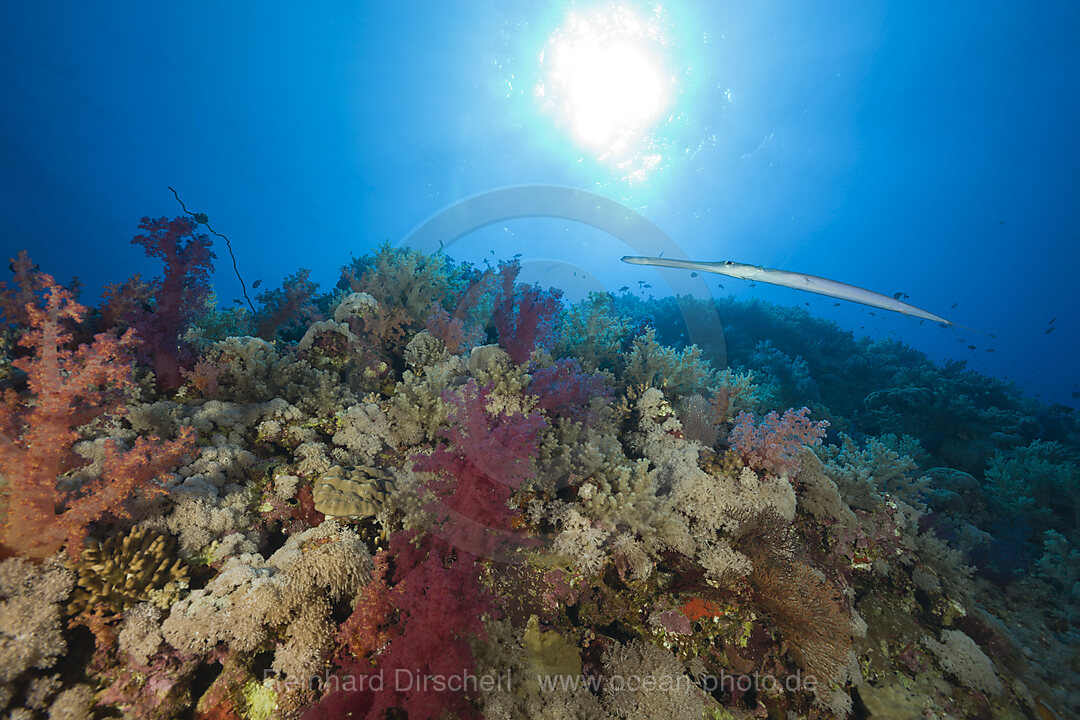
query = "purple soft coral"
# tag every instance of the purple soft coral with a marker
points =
(178, 295)
(486, 458)
(565, 391)
(525, 315)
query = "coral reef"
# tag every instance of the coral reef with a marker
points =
(435, 492)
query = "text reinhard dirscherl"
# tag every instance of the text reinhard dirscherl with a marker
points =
(409, 681)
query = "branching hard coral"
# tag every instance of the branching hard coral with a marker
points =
(773, 445)
(127, 569)
(525, 316)
(178, 294)
(69, 388)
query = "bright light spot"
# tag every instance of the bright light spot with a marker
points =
(606, 82)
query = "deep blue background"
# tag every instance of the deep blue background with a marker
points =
(921, 147)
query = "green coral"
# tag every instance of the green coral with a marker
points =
(593, 333)
(260, 700)
(675, 372)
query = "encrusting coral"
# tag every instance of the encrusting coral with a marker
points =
(352, 491)
(436, 473)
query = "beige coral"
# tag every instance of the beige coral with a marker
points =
(291, 592)
(359, 491)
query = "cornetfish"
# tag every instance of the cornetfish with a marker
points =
(798, 281)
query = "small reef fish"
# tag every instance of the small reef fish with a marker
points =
(900, 295)
(794, 280)
(1050, 329)
(256, 284)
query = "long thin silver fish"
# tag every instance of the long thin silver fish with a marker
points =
(798, 281)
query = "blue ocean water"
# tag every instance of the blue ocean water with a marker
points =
(921, 148)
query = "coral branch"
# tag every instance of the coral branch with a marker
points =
(68, 388)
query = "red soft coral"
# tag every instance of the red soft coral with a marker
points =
(289, 309)
(178, 295)
(474, 474)
(524, 315)
(425, 669)
(69, 388)
(366, 630)
(565, 390)
(773, 445)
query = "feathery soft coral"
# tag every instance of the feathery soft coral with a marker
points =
(475, 473)
(69, 388)
(773, 445)
(431, 614)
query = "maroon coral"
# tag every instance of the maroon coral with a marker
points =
(485, 458)
(564, 390)
(67, 388)
(773, 445)
(440, 604)
(288, 309)
(178, 295)
(525, 315)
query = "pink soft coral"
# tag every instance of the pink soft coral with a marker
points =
(773, 445)
(69, 388)
(429, 617)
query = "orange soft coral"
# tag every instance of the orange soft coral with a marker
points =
(66, 389)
